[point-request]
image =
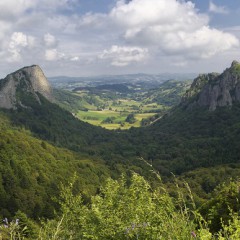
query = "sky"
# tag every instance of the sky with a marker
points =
(98, 37)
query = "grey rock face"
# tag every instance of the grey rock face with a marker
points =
(28, 79)
(198, 85)
(215, 90)
(8, 93)
(38, 81)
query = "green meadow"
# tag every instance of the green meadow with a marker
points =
(110, 109)
(118, 118)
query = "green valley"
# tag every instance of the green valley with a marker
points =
(55, 166)
(109, 105)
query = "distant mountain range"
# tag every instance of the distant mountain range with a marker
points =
(153, 80)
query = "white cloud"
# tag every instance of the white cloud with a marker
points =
(202, 43)
(53, 55)
(174, 27)
(217, 9)
(50, 41)
(144, 13)
(123, 56)
(18, 42)
(18, 39)
(74, 59)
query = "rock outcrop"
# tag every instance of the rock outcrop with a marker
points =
(29, 81)
(215, 90)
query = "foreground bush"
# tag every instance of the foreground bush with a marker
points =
(122, 210)
(126, 210)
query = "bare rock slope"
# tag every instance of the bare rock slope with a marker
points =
(215, 90)
(29, 81)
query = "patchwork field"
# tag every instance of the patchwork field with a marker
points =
(112, 119)
(122, 106)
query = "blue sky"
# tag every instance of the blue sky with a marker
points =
(94, 37)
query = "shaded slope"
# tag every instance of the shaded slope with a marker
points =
(188, 140)
(31, 171)
(26, 96)
(203, 131)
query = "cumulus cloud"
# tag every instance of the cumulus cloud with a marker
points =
(144, 13)
(19, 41)
(175, 27)
(202, 43)
(217, 9)
(123, 56)
(53, 55)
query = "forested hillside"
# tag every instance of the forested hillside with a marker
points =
(31, 170)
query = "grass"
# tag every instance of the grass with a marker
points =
(141, 116)
(101, 107)
(97, 118)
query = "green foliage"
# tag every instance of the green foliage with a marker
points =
(50, 122)
(122, 210)
(109, 120)
(130, 118)
(132, 210)
(235, 68)
(231, 230)
(31, 169)
(69, 225)
(69, 101)
(26, 226)
(197, 85)
(219, 209)
(169, 94)
(11, 230)
(186, 140)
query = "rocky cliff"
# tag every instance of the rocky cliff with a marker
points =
(215, 90)
(28, 81)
